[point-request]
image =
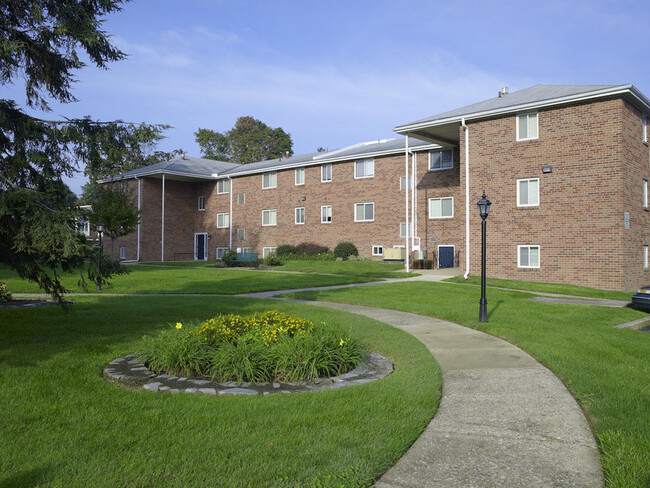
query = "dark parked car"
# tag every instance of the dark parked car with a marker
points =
(641, 299)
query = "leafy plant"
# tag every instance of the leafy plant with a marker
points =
(344, 250)
(271, 260)
(229, 257)
(310, 248)
(285, 250)
(5, 295)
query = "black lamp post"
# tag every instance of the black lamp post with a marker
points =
(484, 209)
(100, 231)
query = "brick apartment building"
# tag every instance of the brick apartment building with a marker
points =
(566, 168)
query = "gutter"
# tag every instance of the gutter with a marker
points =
(466, 129)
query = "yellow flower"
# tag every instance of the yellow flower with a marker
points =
(342, 342)
(179, 325)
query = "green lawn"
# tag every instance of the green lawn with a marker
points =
(607, 369)
(63, 425)
(580, 291)
(158, 279)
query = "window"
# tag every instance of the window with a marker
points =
(201, 203)
(326, 214)
(441, 208)
(364, 212)
(241, 198)
(377, 250)
(645, 193)
(267, 251)
(645, 128)
(528, 256)
(220, 251)
(528, 192)
(402, 183)
(441, 160)
(223, 186)
(123, 252)
(223, 220)
(645, 257)
(241, 234)
(326, 173)
(300, 176)
(270, 180)
(526, 126)
(402, 229)
(268, 217)
(300, 215)
(364, 168)
(86, 228)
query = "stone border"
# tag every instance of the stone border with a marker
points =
(132, 373)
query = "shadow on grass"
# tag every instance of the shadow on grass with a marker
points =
(39, 476)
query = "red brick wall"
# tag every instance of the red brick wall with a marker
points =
(579, 222)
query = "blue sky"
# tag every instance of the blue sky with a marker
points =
(340, 72)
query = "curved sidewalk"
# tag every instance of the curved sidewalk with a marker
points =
(504, 419)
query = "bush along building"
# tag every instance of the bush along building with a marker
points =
(566, 168)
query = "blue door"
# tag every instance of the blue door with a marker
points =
(200, 246)
(446, 256)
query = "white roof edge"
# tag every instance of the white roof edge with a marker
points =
(155, 172)
(334, 160)
(618, 90)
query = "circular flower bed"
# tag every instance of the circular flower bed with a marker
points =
(263, 347)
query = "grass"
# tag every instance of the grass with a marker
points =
(560, 289)
(366, 269)
(63, 425)
(158, 279)
(606, 368)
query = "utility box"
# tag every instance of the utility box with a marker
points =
(394, 254)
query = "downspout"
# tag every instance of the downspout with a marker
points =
(406, 202)
(466, 129)
(162, 240)
(413, 200)
(230, 218)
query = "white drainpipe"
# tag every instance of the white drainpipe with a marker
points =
(414, 214)
(466, 129)
(230, 218)
(406, 202)
(139, 219)
(162, 240)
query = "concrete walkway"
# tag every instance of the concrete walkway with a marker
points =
(504, 420)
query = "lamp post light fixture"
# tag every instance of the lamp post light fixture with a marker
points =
(484, 209)
(100, 231)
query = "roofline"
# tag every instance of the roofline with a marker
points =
(618, 90)
(157, 172)
(320, 162)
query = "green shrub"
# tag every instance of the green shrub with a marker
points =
(310, 249)
(5, 295)
(285, 250)
(344, 250)
(269, 346)
(314, 257)
(271, 260)
(229, 257)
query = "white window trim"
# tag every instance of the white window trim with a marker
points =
(222, 182)
(321, 214)
(539, 254)
(517, 126)
(224, 249)
(122, 254)
(269, 174)
(198, 204)
(205, 246)
(296, 215)
(410, 229)
(296, 173)
(276, 217)
(323, 166)
(440, 169)
(85, 225)
(225, 217)
(243, 195)
(441, 217)
(374, 247)
(243, 231)
(268, 250)
(645, 257)
(364, 162)
(364, 211)
(645, 193)
(402, 180)
(519, 204)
